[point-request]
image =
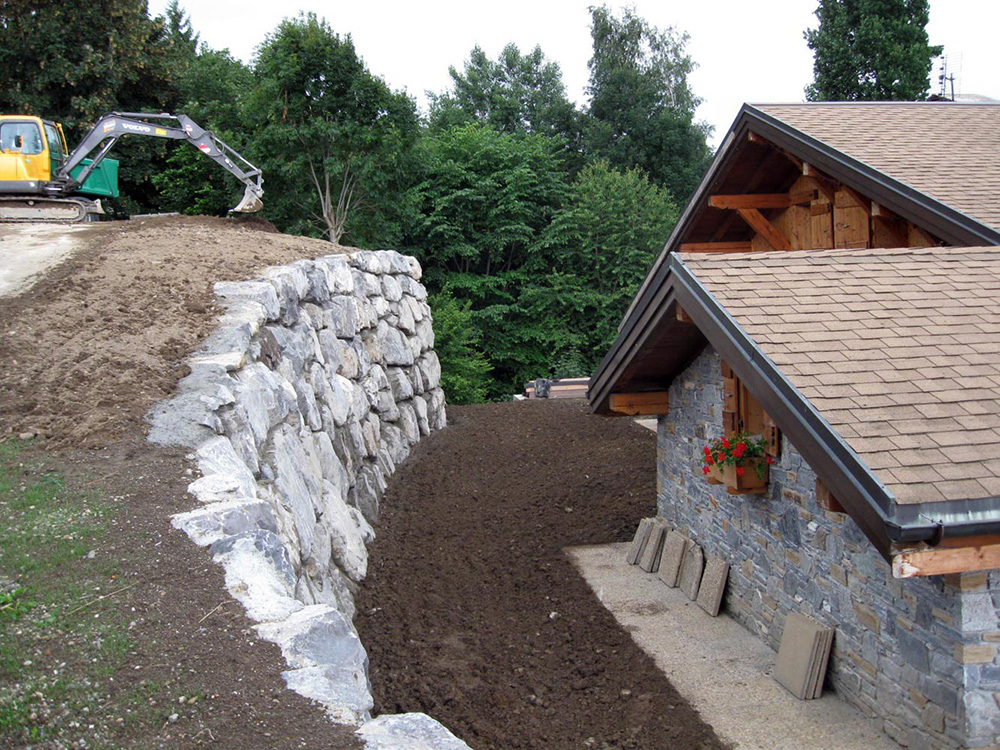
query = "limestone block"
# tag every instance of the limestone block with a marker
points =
(425, 334)
(346, 530)
(308, 407)
(371, 432)
(408, 732)
(339, 397)
(259, 292)
(398, 263)
(360, 405)
(415, 308)
(373, 383)
(415, 271)
(217, 456)
(420, 408)
(319, 287)
(237, 427)
(343, 316)
(367, 317)
(348, 444)
(343, 693)
(430, 370)
(330, 587)
(295, 484)
(208, 525)
(436, 408)
(416, 349)
(364, 495)
(349, 367)
(316, 316)
(370, 261)
(395, 349)
(399, 384)
(405, 321)
(366, 284)
(331, 467)
(339, 279)
(364, 358)
(259, 574)
(416, 379)
(331, 348)
(381, 306)
(394, 442)
(216, 488)
(373, 343)
(413, 288)
(386, 406)
(391, 289)
(265, 397)
(408, 422)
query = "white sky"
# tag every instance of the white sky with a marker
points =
(746, 51)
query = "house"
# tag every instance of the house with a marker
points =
(834, 286)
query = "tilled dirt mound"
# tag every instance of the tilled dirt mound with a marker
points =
(87, 350)
(473, 613)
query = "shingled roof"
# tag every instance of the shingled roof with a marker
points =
(948, 151)
(898, 350)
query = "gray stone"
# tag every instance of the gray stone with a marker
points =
(913, 650)
(391, 290)
(217, 456)
(259, 574)
(406, 322)
(252, 291)
(408, 732)
(343, 692)
(208, 525)
(789, 526)
(350, 367)
(370, 262)
(339, 397)
(338, 274)
(331, 348)
(343, 317)
(430, 370)
(713, 585)
(395, 350)
(400, 385)
(420, 408)
(691, 568)
(373, 343)
(674, 546)
(425, 334)
(408, 422)
(295, 483)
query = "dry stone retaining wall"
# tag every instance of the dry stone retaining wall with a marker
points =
(319, 380)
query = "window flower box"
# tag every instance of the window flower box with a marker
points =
(739, 462)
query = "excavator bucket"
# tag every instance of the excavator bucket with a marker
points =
(250, 204)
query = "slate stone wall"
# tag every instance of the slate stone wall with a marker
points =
(918, 655)
(318, 382)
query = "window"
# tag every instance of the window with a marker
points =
(22, 137)
(742, 413)
(55, 143)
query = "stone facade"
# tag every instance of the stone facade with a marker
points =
(918, 655)
(318, 382)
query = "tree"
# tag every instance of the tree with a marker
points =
(514, 94)
(871, 50)
(333, 138)
(464, 369)
(642, 106)
(486, 197)
(600, 247)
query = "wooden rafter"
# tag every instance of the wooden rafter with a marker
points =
(764, 228)
(638, 404)
(826, 184)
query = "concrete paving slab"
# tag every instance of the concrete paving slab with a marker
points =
(674, 547)
(639, 541)
(650, 560)
(691, 569)
(719, 666)
(713, 585)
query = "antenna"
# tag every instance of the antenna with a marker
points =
(951, 70)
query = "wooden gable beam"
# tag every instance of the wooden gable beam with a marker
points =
(762, 200)
(975, 553)
(826, 184)
(640, 404)
(862, 201)
(764, 228)
(716, 247)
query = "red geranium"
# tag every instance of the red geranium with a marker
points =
(736, 450)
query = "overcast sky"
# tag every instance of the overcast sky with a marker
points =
(746, 51)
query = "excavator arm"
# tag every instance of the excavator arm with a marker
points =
(105, 134)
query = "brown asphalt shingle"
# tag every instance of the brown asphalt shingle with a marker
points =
(899, 350)
(948, 151)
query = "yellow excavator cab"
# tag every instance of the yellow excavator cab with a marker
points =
(31, 149)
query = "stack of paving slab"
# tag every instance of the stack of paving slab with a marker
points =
(803, 656)
(679, 562)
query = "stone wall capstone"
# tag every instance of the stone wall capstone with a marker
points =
(919, 655)
(315, 386)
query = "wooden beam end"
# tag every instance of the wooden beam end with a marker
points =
(640, 404)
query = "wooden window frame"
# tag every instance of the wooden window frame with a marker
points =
(741, 412)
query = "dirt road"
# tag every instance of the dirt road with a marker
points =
(27, 251)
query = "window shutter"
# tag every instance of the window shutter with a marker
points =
(730, 401)
(772, 435)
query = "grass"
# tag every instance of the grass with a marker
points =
(59, 641)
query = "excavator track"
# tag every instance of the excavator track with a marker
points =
(21, 209)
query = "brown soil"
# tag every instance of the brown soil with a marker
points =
(87, 351)
(83, 355)
(473, 613)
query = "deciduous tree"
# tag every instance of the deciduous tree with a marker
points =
(871, 50)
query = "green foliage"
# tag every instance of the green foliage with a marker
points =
(514, 94)
(464, 369)
(212, 90)
(599, 247)
(871, 50)
(642, 107)
(333, 139)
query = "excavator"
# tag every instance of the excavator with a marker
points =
(41, 180)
